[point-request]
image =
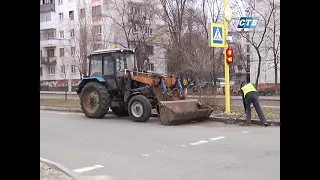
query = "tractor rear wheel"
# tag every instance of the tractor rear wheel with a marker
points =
(139, 108)
(119, 111)
(94, 100)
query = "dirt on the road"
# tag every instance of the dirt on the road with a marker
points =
(50, 173)
(272, 114)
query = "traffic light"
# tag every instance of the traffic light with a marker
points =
(229, 55)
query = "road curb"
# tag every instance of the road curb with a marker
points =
(61, 168)
(253, 121)
(50, 108)
(262, 98)
(78, 110)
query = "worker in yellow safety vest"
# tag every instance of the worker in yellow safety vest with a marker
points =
(250, 95)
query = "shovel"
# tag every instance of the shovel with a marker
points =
(234, 120)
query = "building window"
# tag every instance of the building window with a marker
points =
(97, 29)
(82, 13)
(73, 51)
(61, 52)
(149, 49)
(40, 71)
(60, 1)
(63, 69)
(51, 70)
(151, 67)
(149, 31)
(73, 69)
(60, 16)
(47, 34)
(71, 15)
(45, 17)
(96, 11)
(50, 53)
(72, 33)
(61, 34)
(47, 1)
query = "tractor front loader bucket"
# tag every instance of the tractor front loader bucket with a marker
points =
(182, 111)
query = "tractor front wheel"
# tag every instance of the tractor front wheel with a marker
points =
(139, 108)
(94, 100)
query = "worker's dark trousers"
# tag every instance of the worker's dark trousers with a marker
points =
(253, 97)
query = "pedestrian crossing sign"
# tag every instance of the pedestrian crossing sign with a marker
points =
(217, 37)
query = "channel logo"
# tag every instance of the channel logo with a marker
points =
(247, 22)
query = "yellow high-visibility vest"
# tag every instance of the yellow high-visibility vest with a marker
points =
(248, 88)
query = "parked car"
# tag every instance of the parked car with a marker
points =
(221, 82)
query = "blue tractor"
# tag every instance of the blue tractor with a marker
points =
(113, 82)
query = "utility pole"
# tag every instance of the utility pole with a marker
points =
(226, 65)
(248, 52)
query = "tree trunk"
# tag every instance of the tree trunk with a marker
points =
(276, 74)
(259, 68)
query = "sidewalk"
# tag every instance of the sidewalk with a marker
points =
(265, 98)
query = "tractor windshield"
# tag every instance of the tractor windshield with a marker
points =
(126, 61)
(96, 66)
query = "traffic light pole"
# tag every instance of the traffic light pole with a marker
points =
(226, 65)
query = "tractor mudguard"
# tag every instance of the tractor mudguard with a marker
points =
(85, 80)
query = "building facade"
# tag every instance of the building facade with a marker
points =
(71, 29)
(241, 8)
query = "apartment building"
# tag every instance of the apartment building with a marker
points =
(57, 67)
(242, 9)
(71, 29)
(267, 71)
(142, 32)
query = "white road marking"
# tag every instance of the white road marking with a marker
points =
(199, 142)
(160, 151)
(104, 177)
(183, 145)
(245, 132)
(81, 170)
(217, 138)
(145, 155)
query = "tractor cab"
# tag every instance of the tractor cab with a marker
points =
(109, 65)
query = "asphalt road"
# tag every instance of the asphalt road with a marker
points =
(234, 102)
(123, 150)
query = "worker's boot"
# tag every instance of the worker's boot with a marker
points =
(266, 124)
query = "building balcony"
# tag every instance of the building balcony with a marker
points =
(49, 60)
(48, 43)
(48, 25)
(47, 8)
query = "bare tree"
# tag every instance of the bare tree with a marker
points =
(274, 39)
(172, 13)
(132, 25)
(256, 7)
(209, 11)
